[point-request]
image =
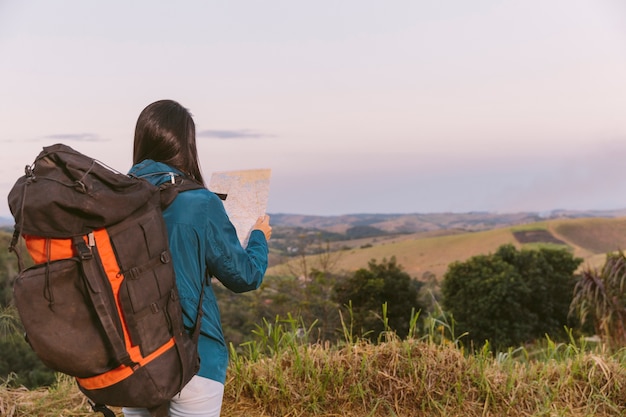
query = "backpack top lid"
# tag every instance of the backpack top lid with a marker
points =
(65, 193)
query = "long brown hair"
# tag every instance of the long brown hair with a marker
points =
(165, 132)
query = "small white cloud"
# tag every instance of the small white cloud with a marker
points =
(76, 137)
(232, 134)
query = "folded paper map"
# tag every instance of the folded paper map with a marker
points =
(247, 194)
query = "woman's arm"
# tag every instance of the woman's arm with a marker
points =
(239, 269)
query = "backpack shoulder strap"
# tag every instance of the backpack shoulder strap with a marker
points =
(195, 335)
(169, 190)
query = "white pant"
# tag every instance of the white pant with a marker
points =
(201, 397)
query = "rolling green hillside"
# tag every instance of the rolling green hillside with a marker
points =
(588, 238)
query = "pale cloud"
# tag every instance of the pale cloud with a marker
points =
(75, 137)
(232, 134)
(60, 137)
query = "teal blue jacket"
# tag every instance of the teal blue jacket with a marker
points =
(201, 238)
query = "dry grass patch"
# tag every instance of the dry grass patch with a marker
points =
(395, 378)
(595, 235)
(417, 378)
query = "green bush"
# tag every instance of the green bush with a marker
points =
(367, 290)
(511, 297)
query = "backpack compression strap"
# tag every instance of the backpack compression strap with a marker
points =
(13, 248)
(17, 230)
(98, 296)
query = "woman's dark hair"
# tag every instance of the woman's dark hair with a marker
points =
(165, 132)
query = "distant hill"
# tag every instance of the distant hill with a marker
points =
(424, 222)
(424, 253)
(419, 222)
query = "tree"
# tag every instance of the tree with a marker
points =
(549, 274)
(304, 292)
(368, 289)
(308, 300)
(600, 297)
(510, 297)
(318, 306)
(312, 256)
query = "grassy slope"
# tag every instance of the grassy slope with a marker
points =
(589, 238)
(396, 378)
(429, 254)
(592, 238)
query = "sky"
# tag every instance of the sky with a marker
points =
(357, 106)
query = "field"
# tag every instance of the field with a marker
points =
(422, 253)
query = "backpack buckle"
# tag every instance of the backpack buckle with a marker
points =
(29, 172)
(84, 253)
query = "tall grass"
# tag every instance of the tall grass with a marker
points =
(429, 375)
(284, 373)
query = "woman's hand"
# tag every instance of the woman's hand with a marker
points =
(263, 224)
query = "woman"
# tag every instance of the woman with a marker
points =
(201, 238)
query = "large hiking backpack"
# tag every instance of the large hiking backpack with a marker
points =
(101, 303)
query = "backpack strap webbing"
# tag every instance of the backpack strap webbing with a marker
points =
(101, 301)
(17, 230)
(195, 335)
(13, 248)
(169, 190)
(101, 408)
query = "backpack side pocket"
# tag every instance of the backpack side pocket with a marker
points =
(61, 325)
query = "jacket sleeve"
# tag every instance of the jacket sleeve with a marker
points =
(239, 269)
